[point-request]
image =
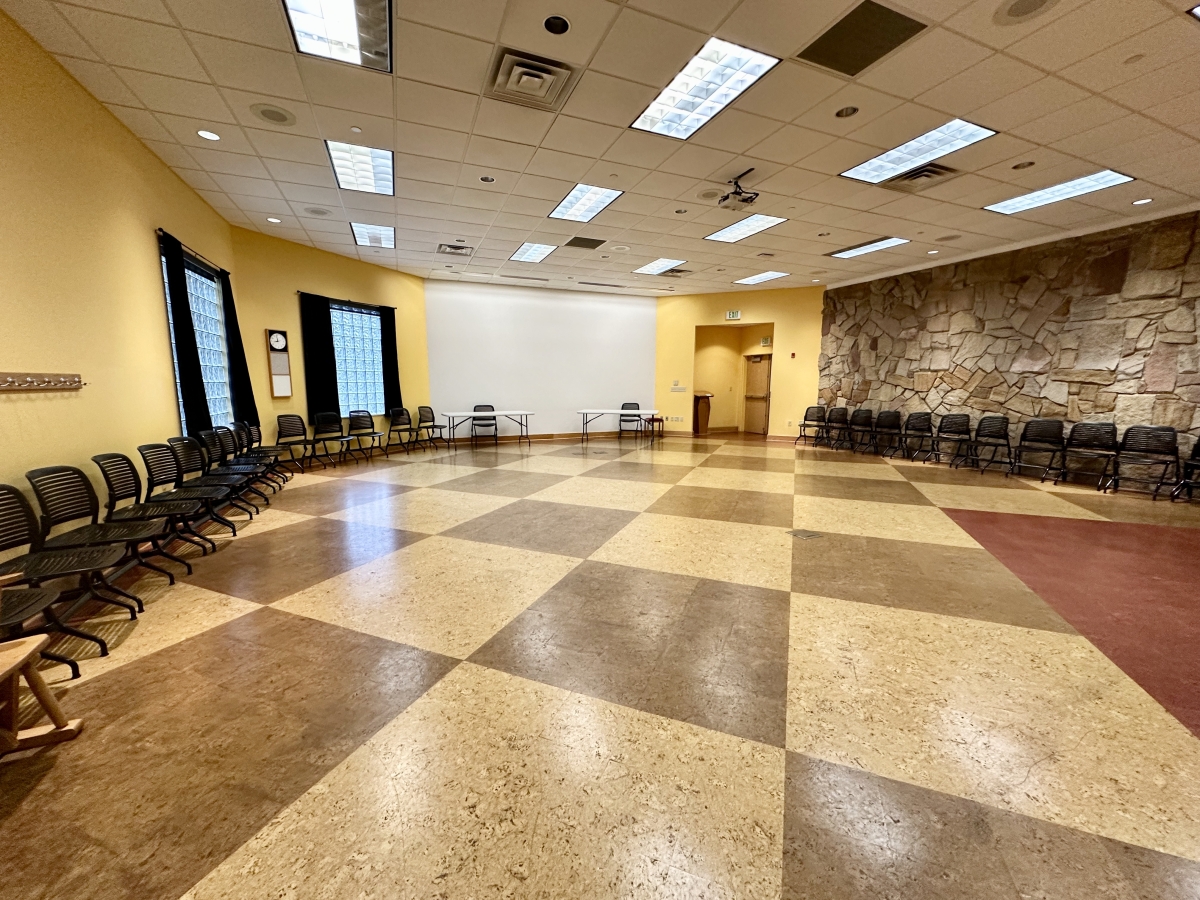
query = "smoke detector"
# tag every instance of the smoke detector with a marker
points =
(316, 211)
(1018, 12)
(527, 80)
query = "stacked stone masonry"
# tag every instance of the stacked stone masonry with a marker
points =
(1096, 328)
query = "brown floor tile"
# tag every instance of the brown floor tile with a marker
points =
(333, 496)
(749, 463)
(631, 471)
(876, 489)
(705, 652)
(560, 528)
(593, 451)
(852, 835)
(269, 566)
(483, 458)
(933, 474)
(188, 752)
(824, 454)
(935, 578)
(503, 483)
(1136, 509)
(751, 507)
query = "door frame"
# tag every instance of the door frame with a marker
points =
(769, 357)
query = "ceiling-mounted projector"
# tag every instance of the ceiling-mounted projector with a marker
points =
(738, 199)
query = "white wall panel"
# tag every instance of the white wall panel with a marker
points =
(552, 352)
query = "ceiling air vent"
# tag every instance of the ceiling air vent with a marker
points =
(601, 284)
(527, 80)
(583, 243)
(676, 273)
(920, 178)
(455, 249)
(523, 277)
(862, 37)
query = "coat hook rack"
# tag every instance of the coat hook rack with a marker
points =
(29, 382)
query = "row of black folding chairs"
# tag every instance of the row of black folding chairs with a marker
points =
(1152, 447)
(333, 442)
(200, 480)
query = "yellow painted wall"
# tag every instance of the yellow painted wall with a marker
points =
(796, 315)
(719, 369)
(268, 272)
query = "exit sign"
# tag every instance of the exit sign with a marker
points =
(732, 314)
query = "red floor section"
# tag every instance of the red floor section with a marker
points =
(1132, 590)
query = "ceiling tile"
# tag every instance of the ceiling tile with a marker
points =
(580, 136)
(615, 175)
(474, 18)
(788, 90)
(184, 128)
(424, 168)
(975, 21)
(48, 27)
(665, 184)
(484, 151)
(1039, 99)
(611, 101)
(696, 161)
(986, 81)
(900, 125)
(136, 44)
(645, 49)
(254, 187)
(781, 29)
(438, 57)
(426, 141)
(839, 156)
(510, 122)
(242, 101)
(249, 68)
(1177, 80)
(429, 104)
(174, 95)
(792, 181)
(172, 154)
(301, 173)
(293, 147)
(639, 148)
(554, 164)
(703, 14)
(100, 80)
(735, 131)
(424, 190)
(343, 86)
(589, 19)
(226, 163)
(151, 10)
(926, 61)
(870, 104)
(197, 179)
(1073, 119)
(1087, 30)
(142, 122)
(261, 22)
(1173, 40)
(542, 188)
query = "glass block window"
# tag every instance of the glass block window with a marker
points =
(208, 320)
(358, 349)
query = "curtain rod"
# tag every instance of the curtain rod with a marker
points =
(199, 256)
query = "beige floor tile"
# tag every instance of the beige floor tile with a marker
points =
(306, 479)
(419, 474)
(1033, 721)
(426, 510)
(608, 493)
(173, 613)
(847, 470)
(740, 480)
(901, 522)
(439, 594)
(771, 452)
(1003, 500)
(666, 457)
(493, 786)
(267, 520)
(725, 551)
(554, 465)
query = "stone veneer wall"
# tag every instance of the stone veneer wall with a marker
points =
(1097, 328)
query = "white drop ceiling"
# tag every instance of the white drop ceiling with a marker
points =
(1087, 85)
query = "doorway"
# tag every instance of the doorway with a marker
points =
(758, 395)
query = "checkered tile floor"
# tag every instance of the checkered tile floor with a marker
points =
(605, 670)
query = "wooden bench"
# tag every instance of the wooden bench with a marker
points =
(19, 659)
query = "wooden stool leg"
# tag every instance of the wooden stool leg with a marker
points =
(63, 729)
(44, 695)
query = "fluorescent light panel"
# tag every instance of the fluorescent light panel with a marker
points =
(659, 266)
(362, 168)
(1065, 191)
(882, 244)
(584, 203)
(711, 80)
(920, 150)
(350, 31)
(1195, 11)
(738, 231)
(374, 235)
(761, 277)
(533, 253)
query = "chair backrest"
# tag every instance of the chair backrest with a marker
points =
(425, 415)
(64, 494)
(121, 477)
(291, 427)
(255, 435)
(189, 454)
(627, 419)
(954, 424)
(992, 427)
(228, 442)
(838, 415)
(18, 524)
(631, 406)
(1093, 436)
(919, 423)
(1153, 440)
(1043, 431)
(361, 420)
(888, 420)
(400, 418)
(861, 418)
(241, 434)
(326, 424)
(814, 414)
(212, 446)
(162, 468)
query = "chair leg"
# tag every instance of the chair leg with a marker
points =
(159, 551)
(141, 560)
(54, 623)
(65, 660)
(120, 592)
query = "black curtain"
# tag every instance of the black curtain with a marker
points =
(391, 363)
(320, 364)
(242, 391)
(187, 356)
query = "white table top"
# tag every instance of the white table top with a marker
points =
(489, 414)
(618, 412)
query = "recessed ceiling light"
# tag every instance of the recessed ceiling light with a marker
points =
(1024, 165)
(1068, 189)
(738, 231)
(620, 248)
(659, 266)
(680, 212)
(846, 112)
(823, 233)
(209, 135)
(761, 277)
(355, 129)
(487, 179)
(932, 145)
(1136, 58)
(816, 281)
(350, 31)
(533, 253)
(933, 252)
(1143, 202)
(275, 115)
(557, 25)
(374, 235)
(711, 80)
(273, 220)
(584, 203)
(358, 168)
(871, 247)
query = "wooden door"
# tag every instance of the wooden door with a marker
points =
(758, 394)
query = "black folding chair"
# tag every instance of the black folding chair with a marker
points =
(124, 483)
(327, 429)
(1040, 437)
(361, 427)
(1150, 447)
(862, 431)
(291, 434)
(954, 429)
(400, 423)
(239, 446)
(220, 450)
(29, 611)
(192, 461)
(479, 426)
(918, 428)
(427, 423)
(1091, 441)
(837, 427)
(162, 470)
(887, 428)
(637, 423)
(814, 421)
(1190, 477)
(990, 434)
